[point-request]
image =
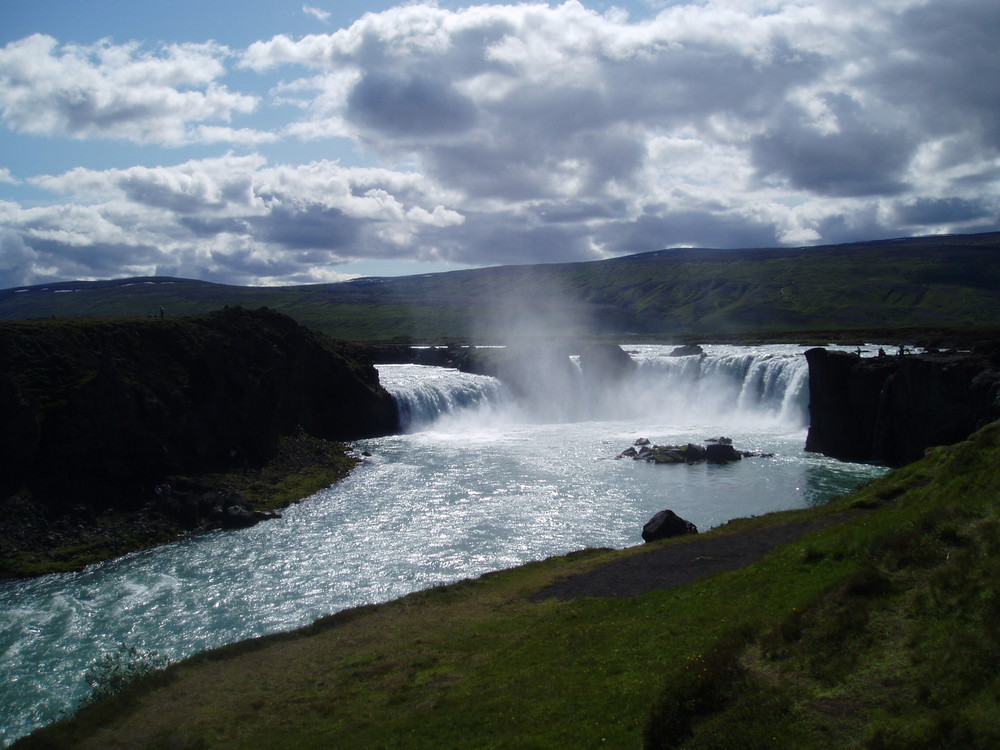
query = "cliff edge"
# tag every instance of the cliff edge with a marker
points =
(890, 409)
(96, 414)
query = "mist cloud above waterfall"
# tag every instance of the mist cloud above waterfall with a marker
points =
(528, 307)
(248, 146)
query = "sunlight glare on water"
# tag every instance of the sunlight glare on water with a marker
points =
(480, 481)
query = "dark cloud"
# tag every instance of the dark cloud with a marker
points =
(501, 238)
(505, 169)
(81, 111)
(402, 106)
(101, 259)
(159, 195)
(489, 239)
(859, 158)
(521, 163)
(554, 112)
(946, 71)
(862, 223)
(17, 261)
(687, 84)
(927, 211)
(210, 226)
(307, 227)
(572, 212)
(245, 263)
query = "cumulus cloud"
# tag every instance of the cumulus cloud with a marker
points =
(119, 91)
(318, 13)
(409, 106)
(856, 158)
(530, 132)
(532, 105)
(235, 218)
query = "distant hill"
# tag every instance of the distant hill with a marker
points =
(922, 282)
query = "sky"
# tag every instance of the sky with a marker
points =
(277, 143)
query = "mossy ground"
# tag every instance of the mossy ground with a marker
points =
(878, 632)
(36, 544)
(302, 466)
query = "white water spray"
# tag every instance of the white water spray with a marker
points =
(728, 384)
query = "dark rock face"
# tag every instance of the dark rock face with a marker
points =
(890, 409)
(87, 406)
(721, 453)
(605, 363)
(436, 356)
(687, 350)
(666, 524)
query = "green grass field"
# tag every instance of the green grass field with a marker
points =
(879, 632)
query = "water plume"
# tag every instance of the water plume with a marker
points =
(531, 306)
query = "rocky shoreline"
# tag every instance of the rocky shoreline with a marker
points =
(120, 434)
(38, 540)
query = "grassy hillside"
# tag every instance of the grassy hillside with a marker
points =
(878, 631)
(950, 281)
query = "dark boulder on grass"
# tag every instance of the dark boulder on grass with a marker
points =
(666, 524)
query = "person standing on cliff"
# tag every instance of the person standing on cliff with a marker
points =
(161, 312)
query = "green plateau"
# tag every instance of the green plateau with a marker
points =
(948, 281)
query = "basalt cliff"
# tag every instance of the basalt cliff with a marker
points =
(890, 408)
(97, 412)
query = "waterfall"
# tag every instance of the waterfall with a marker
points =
(424, 393)
(737, 384)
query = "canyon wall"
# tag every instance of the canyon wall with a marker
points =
(890, 409)
(92, 409)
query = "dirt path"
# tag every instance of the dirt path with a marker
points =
(677, 564)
